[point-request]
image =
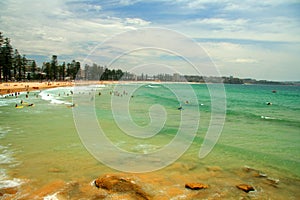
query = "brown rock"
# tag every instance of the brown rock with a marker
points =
(9, 190)
(196, 186)
(245, 187)
(121, 184)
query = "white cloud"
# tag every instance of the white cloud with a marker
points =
(73, 28)
(127, 2)
(256, 60)
(136, 21)
(48, 27)
(244, 60)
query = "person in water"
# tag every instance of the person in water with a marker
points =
(71, 106)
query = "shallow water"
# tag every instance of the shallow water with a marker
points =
(40, 145)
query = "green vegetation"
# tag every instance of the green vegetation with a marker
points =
(16, 67)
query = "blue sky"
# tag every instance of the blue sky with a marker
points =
(258, 39)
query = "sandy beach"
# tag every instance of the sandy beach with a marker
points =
(13, 87)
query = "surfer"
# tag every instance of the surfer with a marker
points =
(269, 103)
(17, 106)
(180, 108)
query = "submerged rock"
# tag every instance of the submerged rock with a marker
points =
(255, 172)
(196, 186)
(245, 187)
(214, 168)
(121, 184)
(273, 181)
(46, 190)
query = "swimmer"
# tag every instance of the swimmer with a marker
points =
(71, 106)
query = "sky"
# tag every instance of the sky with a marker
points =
(246, 39)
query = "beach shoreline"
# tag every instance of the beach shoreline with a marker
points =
(16, 87)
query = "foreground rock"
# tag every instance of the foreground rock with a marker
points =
(123, 185)
(245, 187)
(196, 186)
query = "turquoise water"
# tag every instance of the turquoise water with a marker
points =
(40, 144)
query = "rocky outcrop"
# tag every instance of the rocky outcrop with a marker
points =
(124, 185)
(196, 186)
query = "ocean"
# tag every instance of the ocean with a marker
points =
(154, 128)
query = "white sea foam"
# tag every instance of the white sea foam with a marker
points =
(53, 96)
(5, 155)
(9, 100)
(51, 197)
(266, 117)
(97, 86)
(145, 148)
(10, 183)
(3, 103)
(153, 86)
(5, 159)
(3, 175)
